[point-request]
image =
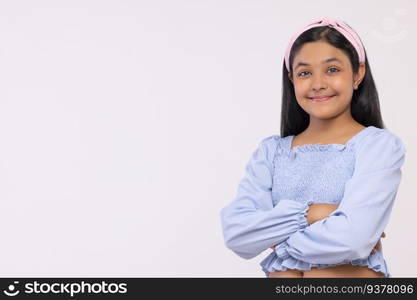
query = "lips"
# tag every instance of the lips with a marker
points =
(321, 98)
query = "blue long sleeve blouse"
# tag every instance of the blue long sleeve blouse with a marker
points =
(270, 209)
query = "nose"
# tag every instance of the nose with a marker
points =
(318, 83)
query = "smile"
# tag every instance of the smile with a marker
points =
(321, 99)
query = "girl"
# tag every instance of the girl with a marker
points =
(320, 194)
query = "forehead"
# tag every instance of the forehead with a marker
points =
(315, 52)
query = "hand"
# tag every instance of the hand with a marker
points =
(378, 245)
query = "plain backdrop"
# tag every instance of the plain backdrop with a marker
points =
(125, 126)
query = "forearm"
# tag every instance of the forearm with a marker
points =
(248, 231)
(319, 211)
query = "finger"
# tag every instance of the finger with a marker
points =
(377, 246)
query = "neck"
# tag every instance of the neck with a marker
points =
(331, 127)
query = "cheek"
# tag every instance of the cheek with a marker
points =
(342, 84)
(301, 88)
(339, 84)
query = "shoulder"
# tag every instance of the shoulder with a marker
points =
(379, 139)
(379, 148)
(269, 146)
(271, 141)
(266, 150)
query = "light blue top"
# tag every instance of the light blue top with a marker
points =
(361, 177)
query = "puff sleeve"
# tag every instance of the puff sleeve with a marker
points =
(352, 230)
(251, 223)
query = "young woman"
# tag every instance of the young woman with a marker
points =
(320, 194)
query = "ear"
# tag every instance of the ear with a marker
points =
(357, 79)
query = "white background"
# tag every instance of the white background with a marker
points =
(125, 127)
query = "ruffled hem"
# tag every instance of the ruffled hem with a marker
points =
(284, 148)
(285, 144)
(319, 147)
(280, 260)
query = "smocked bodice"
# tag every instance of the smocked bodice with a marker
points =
(316, 172)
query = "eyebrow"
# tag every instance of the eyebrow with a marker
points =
(323, 62)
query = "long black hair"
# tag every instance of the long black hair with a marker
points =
(365, 107)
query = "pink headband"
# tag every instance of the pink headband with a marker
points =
(340, 26)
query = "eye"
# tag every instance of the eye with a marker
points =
(299, 74)
(331, 68)
(334, 69)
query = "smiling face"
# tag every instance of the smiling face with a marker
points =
(320, 69)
